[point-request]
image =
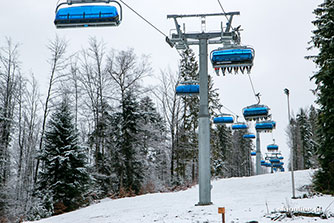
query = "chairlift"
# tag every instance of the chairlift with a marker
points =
(265, 164)
(187, 88)
(92, 15)
(239, 126)
(232, 59)
(265, 126)
(249, 136)
(272, 147)
(274, 160)
(256, 112)
(223, 119)
(277, 165)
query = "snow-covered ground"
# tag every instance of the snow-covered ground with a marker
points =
(245, 199)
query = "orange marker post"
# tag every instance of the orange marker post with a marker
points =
(222, 211)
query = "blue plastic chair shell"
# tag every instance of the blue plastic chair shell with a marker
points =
(265, 125)
(255, 111)
(87, 15)
(274, 160)
(277, 165)
(272, 147)
(223, 120)
(189, 89)
(229, 56)
(239, 126)
(249, 136)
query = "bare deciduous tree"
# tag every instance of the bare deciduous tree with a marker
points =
(9, 72)
(58, 64)
(171, 109)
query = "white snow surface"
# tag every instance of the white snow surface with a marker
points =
(245, 199)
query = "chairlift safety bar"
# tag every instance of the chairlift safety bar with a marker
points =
(70, 2)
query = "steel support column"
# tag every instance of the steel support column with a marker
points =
(258, 154)
(287, 92)
(204, 127)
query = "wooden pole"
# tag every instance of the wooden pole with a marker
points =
(222, 211)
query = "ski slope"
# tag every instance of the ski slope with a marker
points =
(245, 199)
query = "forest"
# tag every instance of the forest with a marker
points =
(99, 132)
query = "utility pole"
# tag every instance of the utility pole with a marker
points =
(182, 41)
(258, 154)
(287, 92)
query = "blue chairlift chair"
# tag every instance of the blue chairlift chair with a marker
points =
(83, 15)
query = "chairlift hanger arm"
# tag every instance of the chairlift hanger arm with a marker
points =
(229, 24)
(178, 29)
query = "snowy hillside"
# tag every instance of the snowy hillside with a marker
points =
(244, 198)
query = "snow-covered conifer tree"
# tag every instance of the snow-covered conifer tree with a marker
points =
(324, 79)
(124, 147)
(64, 175)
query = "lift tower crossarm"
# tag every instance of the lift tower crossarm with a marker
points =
(203, 15)
(180, 39)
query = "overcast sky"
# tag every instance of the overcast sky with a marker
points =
(279, 31)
